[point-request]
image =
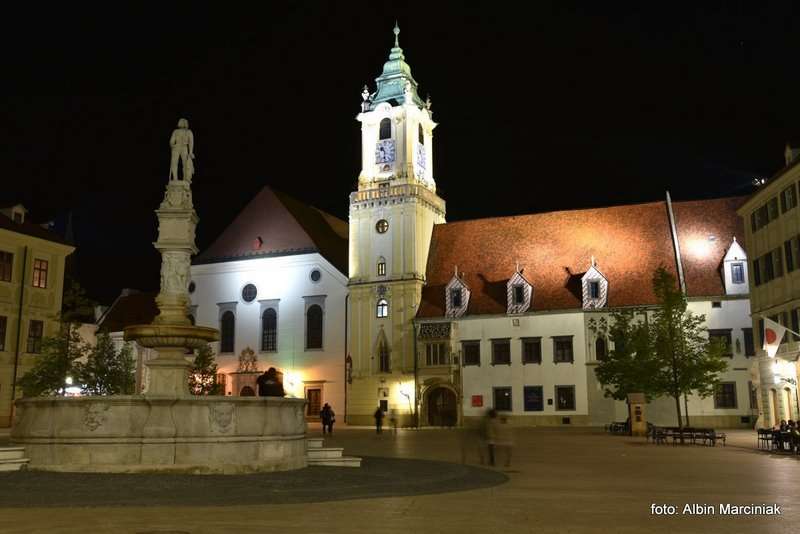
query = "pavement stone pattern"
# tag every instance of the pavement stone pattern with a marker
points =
(560, 481)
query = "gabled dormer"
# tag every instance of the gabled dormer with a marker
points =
(519, 293)
(456, 296)
(734, 270)
(594, 288)
(16, 213)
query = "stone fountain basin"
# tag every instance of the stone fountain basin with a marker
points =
(166, 335)
(162, 433)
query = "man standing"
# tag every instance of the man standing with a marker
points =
(328, 418)
(378, 420)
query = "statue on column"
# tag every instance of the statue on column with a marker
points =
(182, 144)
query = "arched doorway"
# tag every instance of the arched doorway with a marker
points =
(247, 391)
(442, 407)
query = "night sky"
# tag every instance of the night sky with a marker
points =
(549, 108)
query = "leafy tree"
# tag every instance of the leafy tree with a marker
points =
(54, 364)
(669, 355)
(688, 361)
(630, 366)
(203, 376)
(107, 371)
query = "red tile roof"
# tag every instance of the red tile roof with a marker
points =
(555, 249)
(285, 226)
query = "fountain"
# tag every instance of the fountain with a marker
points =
(166, 428)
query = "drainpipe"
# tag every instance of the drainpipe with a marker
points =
(19, 331)
(346, 335)
(416, 373)
(675, 244)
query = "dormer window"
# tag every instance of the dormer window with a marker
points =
(519, 294)
(385, 129)
(737, 273)
(734, 267)
(455, 297)
(18, 217)
(594, 288)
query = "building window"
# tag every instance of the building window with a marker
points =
(455, 297)
(382, 226)
(737, 273)
(384, 361)
(471, 352)
(769, 267)
(269, 330)
(314, 327)
(436, 354)
(3, 327)
(382, 309)
(787, 249)
(725, 395)
(316, 275)
(6, 266)
(502, 399)
(420, 135)
(385, 129)
(532, 350)
(753, 395)
(562, 349)
(772, 208)
(756, 272)
(222, 382)
(381, 267)
(600, 349)
(227, 329)
(501, 352)
(565, 397)
(40, 273)
(35, 334)
(777, 256)
(749, 346)
(249, 293)
(519, 294)
(716, 304)
(725, 336)
(594, 289)
(788, 198)
(534, 398)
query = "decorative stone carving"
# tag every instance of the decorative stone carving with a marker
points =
(182, 143)
(434, 331)
(248, 361)
(221, 417)
(94, 415)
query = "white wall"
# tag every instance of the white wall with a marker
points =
(287, 280)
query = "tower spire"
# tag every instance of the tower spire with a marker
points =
(396, 34)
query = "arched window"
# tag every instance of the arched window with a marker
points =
(269, 330)
(383, 357)
(421, 135)
(600, 349)
(314, 327)
(385, 129)
(227, 329)
(381, 267)
(382, 310)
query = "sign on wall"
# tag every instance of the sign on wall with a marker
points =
(477, 401)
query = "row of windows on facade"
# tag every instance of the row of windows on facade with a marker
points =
(771, 265)
(790, 319)
(385, 131)
(517, 294)
(40, 268)
(533, 397)
(768, 212)
(531, 349)
(35, 335)
(269, 329)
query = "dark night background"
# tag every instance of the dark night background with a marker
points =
(543, 109)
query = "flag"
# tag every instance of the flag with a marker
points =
(773, 333)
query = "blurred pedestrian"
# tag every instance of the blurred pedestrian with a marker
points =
(491, 432)
(328, 418)
(378, 420)
(504, 440)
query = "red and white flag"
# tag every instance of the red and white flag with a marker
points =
(773, 333)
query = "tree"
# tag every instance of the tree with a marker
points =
(670, 354)
(687, 360)
(203, 376)
(107, 371)
(629, 367)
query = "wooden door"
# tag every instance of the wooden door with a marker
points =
(314, 405)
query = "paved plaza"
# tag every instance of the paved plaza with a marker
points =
(559, 481)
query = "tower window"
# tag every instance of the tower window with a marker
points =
(382, 309)
(382, 226)
(385, 129)
(381, 267)
(420, 135)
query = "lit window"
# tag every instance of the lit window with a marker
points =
(382, 309)
(382, 226)
(385, 129)
(381, 267)
(737, 273)
(40, 273)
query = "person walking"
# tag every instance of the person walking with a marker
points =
(378, 420)
(328, 418)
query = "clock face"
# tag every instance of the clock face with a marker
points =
(384, 151)
(420, 159)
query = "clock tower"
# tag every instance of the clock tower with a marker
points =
(391, 219)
